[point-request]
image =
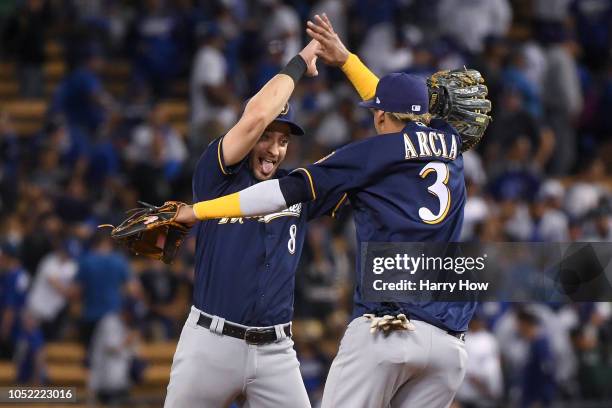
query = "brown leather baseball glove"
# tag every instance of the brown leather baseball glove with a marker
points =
(460, 97)
(152, 231)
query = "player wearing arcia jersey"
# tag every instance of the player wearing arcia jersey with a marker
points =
(405, 185)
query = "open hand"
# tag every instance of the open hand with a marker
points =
(332, 51)
(310, 54)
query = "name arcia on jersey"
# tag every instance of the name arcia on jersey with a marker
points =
(431, 144)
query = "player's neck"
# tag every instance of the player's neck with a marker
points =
(391, 128)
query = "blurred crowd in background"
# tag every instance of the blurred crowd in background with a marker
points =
(540, 174)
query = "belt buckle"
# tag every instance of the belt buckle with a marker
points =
(254, 335)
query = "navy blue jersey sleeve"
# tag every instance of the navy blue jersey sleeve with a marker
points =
(351, 167)
(211, 175)
(331, 206)
(295, 188)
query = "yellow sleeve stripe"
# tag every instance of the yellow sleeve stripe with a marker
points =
(219, 158)
(344, 197)
(223, 207)
(312, 189)
(362, 79)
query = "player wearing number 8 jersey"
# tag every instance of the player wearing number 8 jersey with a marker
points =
(236, 343)
(405, 185)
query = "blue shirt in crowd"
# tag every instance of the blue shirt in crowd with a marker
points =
(539, 375)
(75, 98)
(13, 290)
(101, 278)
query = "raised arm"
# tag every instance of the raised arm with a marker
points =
(262, 108)
(334, 52)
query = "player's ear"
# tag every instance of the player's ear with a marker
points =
(379, 117)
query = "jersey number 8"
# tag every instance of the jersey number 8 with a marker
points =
(292, 235)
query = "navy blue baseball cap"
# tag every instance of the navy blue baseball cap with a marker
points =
(400, 93)
(286, 116)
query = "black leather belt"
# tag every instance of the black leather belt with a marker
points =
(457, 334)
(256, 336)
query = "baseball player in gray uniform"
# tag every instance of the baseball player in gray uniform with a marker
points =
(408, 354)
(236, 344)
(420, 363)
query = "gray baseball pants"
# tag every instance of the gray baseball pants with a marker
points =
(210, 370)
(421, 368)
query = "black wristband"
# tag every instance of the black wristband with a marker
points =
(295, 68)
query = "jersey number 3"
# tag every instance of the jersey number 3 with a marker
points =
(439, 189)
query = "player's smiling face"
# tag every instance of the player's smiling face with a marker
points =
(270, 150)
